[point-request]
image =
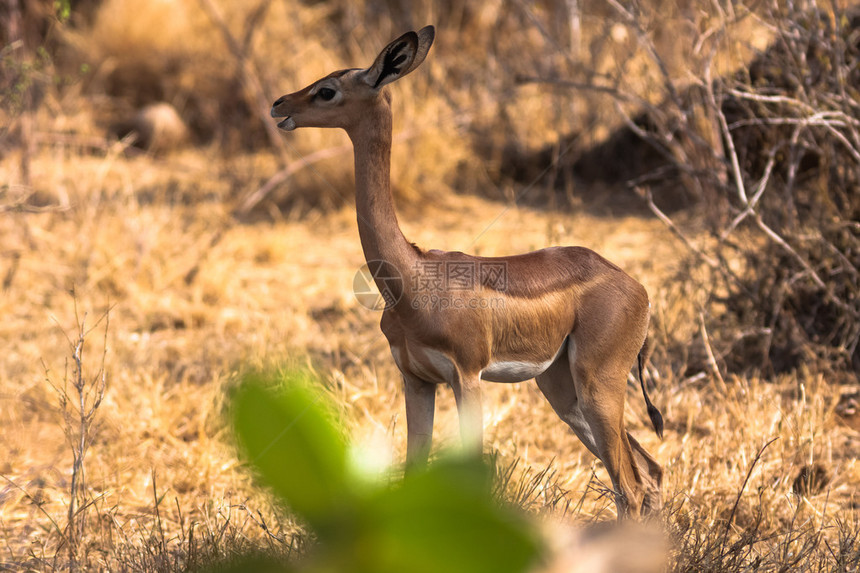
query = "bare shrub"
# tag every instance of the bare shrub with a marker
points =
(768, 160)
(79, 397)
(792, 201)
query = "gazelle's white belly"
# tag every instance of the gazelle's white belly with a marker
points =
(514, 370)
(507, 371)
(434, 366)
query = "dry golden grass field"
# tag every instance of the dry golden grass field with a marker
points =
(148, 257)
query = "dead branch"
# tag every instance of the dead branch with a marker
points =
(700, 254)
(712, 361)
(251, 200)
(260, 102)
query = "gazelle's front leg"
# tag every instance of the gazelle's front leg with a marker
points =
(467, 393)
(420, 408)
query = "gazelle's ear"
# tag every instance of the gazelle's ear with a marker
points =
(400, 57)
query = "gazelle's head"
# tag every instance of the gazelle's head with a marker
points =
(340, 98)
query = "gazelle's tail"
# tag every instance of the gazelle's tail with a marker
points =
(653, 412)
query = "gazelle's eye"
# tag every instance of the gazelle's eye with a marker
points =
(326, 94)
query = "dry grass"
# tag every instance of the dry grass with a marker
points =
(196, 297)
(276, 292)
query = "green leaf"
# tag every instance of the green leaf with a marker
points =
(288, 435)
(443, 519)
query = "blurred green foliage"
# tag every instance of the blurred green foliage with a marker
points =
(442, 518)
(63, 9)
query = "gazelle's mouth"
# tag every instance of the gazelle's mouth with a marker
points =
(288, 124)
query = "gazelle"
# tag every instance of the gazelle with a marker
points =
(564, 316)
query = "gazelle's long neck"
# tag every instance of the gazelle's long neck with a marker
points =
(381, 237)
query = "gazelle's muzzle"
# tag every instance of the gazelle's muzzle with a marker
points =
(288, 124)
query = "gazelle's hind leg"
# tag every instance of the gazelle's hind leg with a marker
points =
(652, 477)
(595, 412)
(558, 388)
(601, 351)
(593, 406)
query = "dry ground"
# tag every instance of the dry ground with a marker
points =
(195, 298)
